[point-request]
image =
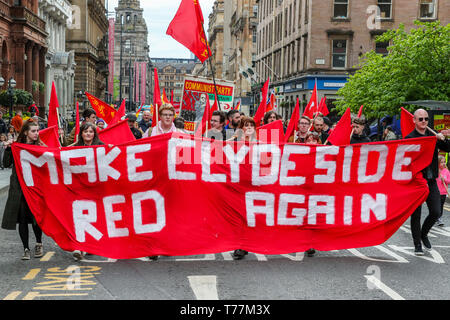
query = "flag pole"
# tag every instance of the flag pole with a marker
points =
(212, 70)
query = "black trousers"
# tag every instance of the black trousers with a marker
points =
(443, 197)
(434, 208)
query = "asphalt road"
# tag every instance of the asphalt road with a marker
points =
(386, 272)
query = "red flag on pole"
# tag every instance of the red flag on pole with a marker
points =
(341, 134)
(117, 134)
(214, 107)
(77, 122)
(360, 111)
(104, 111)
(164, 97)
(323, 109)
(171, 97)
(262, 106)
(204, 124)
(187, 28)
(312, 106)
(406, 122)
(49, 136)
(271, 133)
(52, 111)
(293, 123)
(119, 114)
(156, 100)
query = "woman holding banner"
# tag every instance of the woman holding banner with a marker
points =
(88, 136)
(442, 182)
(17, 210)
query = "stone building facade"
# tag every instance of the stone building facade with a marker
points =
(23, 46)
(59, 63)
(301, 42)
(87, 38)
(131, 46)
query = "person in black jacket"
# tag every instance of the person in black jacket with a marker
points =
(358, 135)
(430, 173)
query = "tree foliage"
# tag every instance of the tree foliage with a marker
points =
(416, 68)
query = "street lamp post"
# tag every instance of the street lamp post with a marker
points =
(11, 85)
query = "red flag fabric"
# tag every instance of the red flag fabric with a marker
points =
(360, 111)
(340, 136)
(156, 100)
(77, 122)
(204, 124)
(104, 111)
(312, 106)
(119, 114)
(293, 123)
(187, 28)
(164, 97)
(171, 97)
(52, 111)
(123, 204)
(118, 133)
(406, 122)
(271, 133)
(259, 115)
(272, 101)
(323, 109)
(50, 137)
(214, 107)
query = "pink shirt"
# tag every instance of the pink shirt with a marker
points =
(446, 175)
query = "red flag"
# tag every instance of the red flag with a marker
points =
(262, 106)
(119, 114)
(271, 133)
(117, 134)
(312, 106)
(214, 107)
(104, 111)
(360, 111)
(201, 128)
(293, 123)
(406, 122)
(156, 100)
(77, 122)
(164, 97)
(323, 109)
(52, 111)
(171, 97)
(50, 137)
(187, 28)
(341, 134)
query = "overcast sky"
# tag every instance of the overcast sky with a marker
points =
(158, 14)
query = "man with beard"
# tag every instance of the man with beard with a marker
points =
(234, 118)
(318, 127)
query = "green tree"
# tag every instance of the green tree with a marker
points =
(416, 68)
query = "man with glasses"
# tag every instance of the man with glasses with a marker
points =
(217, 131)
(303, 127)
(430, 173)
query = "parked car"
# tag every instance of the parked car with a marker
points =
(393, 121)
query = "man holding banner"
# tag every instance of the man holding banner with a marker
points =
(430, 173)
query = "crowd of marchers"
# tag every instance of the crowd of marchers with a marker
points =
(231, 126)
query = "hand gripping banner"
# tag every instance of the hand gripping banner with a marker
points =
(177, 195)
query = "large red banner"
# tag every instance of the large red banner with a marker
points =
(178, 195)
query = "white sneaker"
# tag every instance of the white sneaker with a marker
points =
(77, 255)
(26, 254)
(38, 250)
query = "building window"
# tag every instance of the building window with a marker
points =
(385, 9)
(339, 54)
(381, 48)
(427, 9)
(340, 9)
(254, 35)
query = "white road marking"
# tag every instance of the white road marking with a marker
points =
(204, 287)
(208, 257)
(380, 285)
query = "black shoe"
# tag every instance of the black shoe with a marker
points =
(418, 250)
(153, 258)
(426, 242)
(239, 254)
(311, 252)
